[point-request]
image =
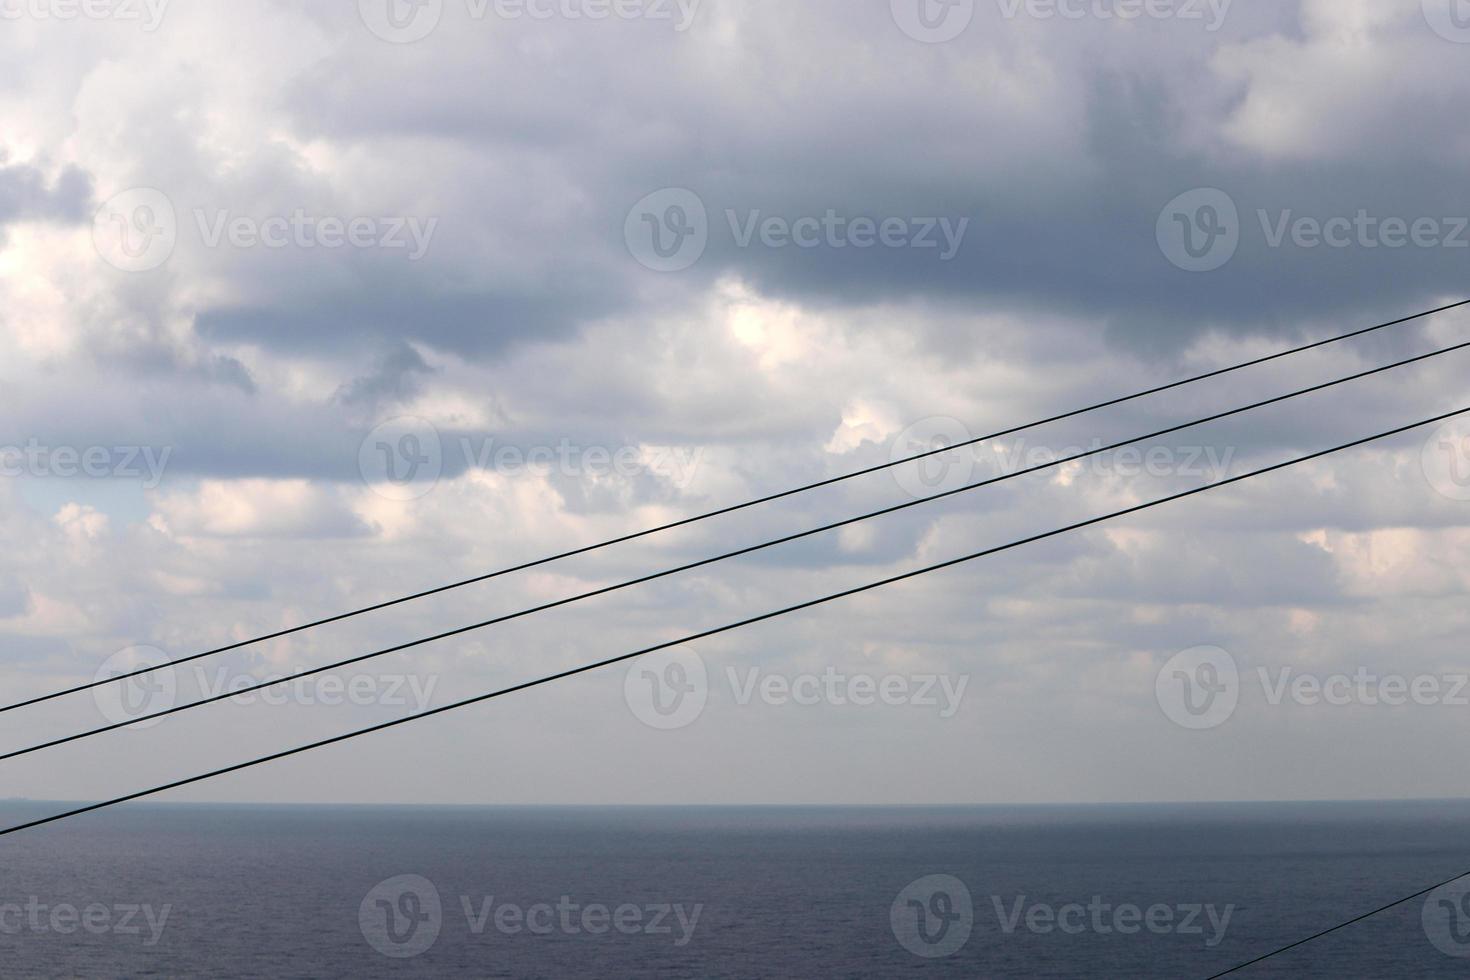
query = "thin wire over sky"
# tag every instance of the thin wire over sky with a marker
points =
(117, 678)
(751, 549)
(788, 610)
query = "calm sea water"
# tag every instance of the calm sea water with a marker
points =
(1166, 891)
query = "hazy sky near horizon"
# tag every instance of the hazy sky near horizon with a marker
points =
(572, 269)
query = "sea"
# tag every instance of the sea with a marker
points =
(734, 892)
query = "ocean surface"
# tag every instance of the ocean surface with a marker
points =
(1105, 891)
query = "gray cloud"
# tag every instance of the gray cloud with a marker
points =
(27, 195)
(528, 324)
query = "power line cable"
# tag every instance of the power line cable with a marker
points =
(228, 695)
(1341, 925)
(725, 510)
(383, 726)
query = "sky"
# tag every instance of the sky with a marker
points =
(307, 306)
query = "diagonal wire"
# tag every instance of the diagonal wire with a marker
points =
(1341, 925)
(811, 603)
(39, 699)
(228, 695)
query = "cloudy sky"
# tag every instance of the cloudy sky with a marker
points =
(306, 306)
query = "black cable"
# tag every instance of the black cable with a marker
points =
(382, 726)
(726, 510)
(1341, 925)
(227, 695)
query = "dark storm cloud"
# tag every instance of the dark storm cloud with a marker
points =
(1059, 142)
